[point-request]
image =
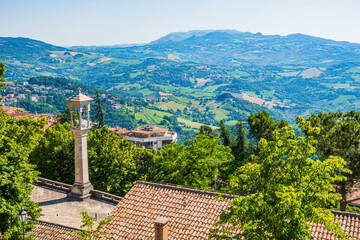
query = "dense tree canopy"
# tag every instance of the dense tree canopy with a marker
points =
(2, 79)
(192, 165)
(281, 191)
(263, 126)
(338, 136)
(18, 137)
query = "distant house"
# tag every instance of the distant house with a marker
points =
(116, 106)
(110, 101)
(10, 100)
(151, 137)
(34, 97)
(21, 96)
(119, 130)
(68, 91)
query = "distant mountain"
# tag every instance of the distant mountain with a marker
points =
(180, 36)
(292, 75)
(230, 47)
(25, 49)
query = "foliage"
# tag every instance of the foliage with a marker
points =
(263, 126)
(88, 222)
(191, 165)
(240, 148)
(207, 130)
(55, 148)
(18, 137)
(281, 191)
(2, 79)
(225, 135)
(338, 136)
(99, 115)
(112, 160)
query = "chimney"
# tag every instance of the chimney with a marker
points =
(161, 228)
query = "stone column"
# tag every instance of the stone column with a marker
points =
(82, 185)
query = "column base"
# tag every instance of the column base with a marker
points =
(81, 190)
(78, 197)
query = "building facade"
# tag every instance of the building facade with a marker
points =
(151, 136)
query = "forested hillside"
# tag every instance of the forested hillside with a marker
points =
(190, 72)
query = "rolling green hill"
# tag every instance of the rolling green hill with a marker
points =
(287, 75)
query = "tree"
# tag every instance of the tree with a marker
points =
(2, 79)
(339, 136)
(111, 158)
(99, 115)
(281, 191)
(111, 161)
(18, 137)
(225, 135)
(88, 223)
(263, 126)
(55, 148)
(240, 148)
(207, 130)
(188, 165)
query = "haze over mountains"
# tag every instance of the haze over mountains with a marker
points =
(290, 75)
(230, 47)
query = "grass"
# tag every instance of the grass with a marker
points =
(342, 100)
(170, 105)
(220, 114)
(147, 93)
(214, 87)
(194, 125)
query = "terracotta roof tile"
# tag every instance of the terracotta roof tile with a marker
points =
(47, 230)
(191, 214)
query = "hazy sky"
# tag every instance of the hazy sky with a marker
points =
(107, 22)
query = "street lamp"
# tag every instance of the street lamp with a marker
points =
(22, 217)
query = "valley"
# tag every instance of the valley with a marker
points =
(186, 80)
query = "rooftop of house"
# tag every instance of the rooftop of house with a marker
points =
(21, 112)
(191, 214)
(149, 129)
(47, 230)
(58, 208)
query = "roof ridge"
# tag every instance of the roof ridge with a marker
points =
(343, 213)
(187, 189)
(56, 224)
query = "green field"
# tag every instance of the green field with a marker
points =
(170, 105)
(194, 125)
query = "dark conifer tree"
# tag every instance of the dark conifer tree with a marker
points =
(99, 116)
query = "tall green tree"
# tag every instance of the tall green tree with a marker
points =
(111, 161)
(192, 165)
(281, 191)
(55, 148)
(240, 148)
(225, 135)
(263, 126)
(2, 79)
(207, 130)
(18, 137)
(338, 136)
(99, 115)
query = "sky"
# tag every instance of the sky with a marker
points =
(109, 22)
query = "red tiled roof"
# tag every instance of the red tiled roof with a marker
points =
(350, 224)
(46, 230)
(191, 214)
